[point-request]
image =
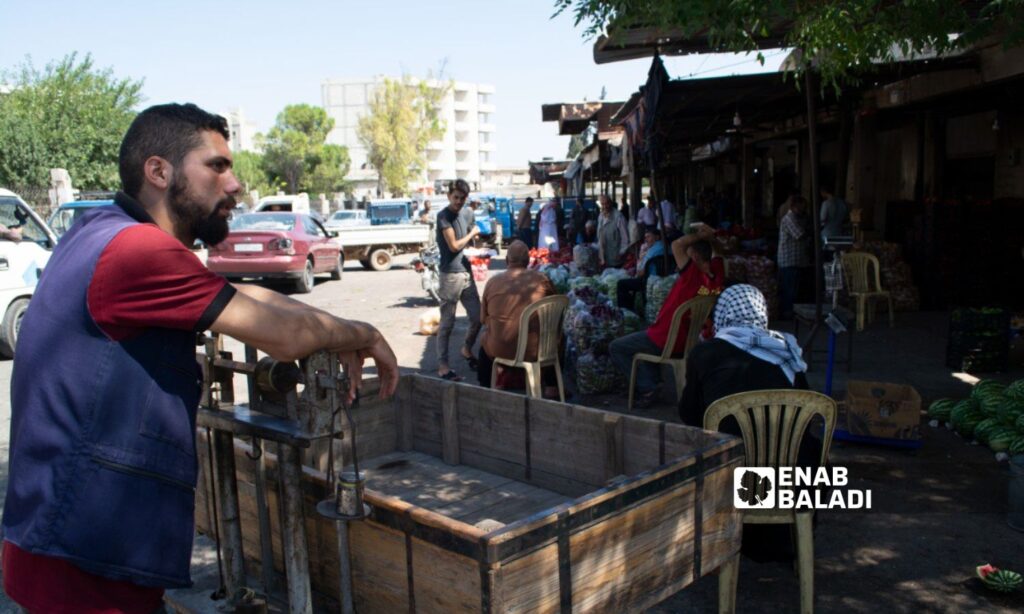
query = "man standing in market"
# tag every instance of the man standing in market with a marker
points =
(834, 212)
(99, 514)
(699, 275)
(456, 230)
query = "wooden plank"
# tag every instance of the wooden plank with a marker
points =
(682, 440)
(530, 583)
(426, 410)
(634, 559)
(450, 425)
(443, 581)
(379, 579)
(492, 431)
(640, 442)
(403, 413)
(567, 441)
(723, 523)
(510, 504)
(613, 444)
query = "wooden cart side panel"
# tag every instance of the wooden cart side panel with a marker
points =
(643, 444)
(427, 415)
(530, 584)
(568, 449)
(635, 559)
(443, 581)
(682, 440)
(492, 431)
(723, 524)
(379, 574)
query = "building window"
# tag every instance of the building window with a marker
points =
(485, 137)
(460, 116)
(485, 156)
(483, 98)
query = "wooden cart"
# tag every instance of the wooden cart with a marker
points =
(486, 501)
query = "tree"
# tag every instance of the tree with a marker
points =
(295, 152)
(403, 119)
(69, 115)
(842, 38)
(250, 171)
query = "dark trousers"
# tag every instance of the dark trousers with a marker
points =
(526, 236)
(626, 291)
(789, 285)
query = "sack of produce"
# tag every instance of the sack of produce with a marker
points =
(596, 374)
(430, 321)
(658, 289)
(559, 276)
(609, 280)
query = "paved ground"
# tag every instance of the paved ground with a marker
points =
(939, 510)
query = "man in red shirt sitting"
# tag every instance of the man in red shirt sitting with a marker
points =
(699, 275)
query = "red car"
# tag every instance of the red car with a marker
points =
(279, 245)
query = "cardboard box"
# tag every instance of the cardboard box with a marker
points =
(880, 410)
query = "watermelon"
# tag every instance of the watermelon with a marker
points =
(1010, 410)
(1017, 446)
(987, 427)
(987, 387)
(1002, 580)
(1016, 390)
(1020, 423)
(963, 408)
(1000, 440)
(940, 410)
(967, 425)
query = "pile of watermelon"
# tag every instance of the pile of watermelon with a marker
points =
(993, 415)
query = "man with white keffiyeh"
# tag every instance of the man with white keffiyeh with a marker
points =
(744, 355)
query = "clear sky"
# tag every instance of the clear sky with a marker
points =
(261, 55)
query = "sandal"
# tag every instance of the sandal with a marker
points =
(451, 376)
(473, 363)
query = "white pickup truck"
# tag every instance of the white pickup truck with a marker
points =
(24, 251)
(375, 246)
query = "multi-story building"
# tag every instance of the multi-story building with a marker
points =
(466, 151)
(241, 130)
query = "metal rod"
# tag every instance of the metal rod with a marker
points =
(345, 567)
(296, 555)
(230, 519)
(211, 511)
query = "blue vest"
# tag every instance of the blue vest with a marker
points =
(102, 452)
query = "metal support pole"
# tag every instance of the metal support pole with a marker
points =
(230, 519)
(345, 567)
(262, 510)
(293, 533)
(812, 136)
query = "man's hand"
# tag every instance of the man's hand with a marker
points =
(383, 357)
(705, 232)
(474, 231)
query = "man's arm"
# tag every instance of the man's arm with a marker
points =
(456, 245)
(679, 246)
(288, 330)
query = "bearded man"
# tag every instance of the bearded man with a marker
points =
(105, 387)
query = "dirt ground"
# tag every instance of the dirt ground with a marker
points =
(938, 511)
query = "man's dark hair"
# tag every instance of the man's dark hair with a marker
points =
(654, 231)
(168, 131)
(460, 185)
(529, 200)
(703, 249)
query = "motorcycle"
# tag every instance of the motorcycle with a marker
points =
(427, 266)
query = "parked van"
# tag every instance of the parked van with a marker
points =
(21, 263)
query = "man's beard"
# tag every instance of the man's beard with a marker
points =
(189, 214)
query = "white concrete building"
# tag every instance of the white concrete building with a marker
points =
(466, 151)
(241, 130)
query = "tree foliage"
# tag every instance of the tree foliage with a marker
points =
(249, 169)
(403, 118)
(69, 115)
(841, 37)
(296, 156)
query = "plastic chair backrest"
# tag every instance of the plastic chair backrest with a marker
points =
(549, 311)
(699, 308)
(774, 422)
(858, 277)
